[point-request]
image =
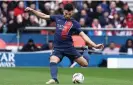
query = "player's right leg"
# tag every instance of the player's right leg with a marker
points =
(53, 70)
(54, 60)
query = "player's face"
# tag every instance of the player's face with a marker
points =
(68, 14)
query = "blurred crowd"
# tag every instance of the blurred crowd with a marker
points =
(111, 48)
(95, 14)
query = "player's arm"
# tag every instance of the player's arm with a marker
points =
(37, 13)
(89, 41)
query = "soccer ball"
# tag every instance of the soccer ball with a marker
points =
(78, 78)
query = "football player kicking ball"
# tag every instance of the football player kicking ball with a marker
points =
(63, 45)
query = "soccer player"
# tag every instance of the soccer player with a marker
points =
(63, 45)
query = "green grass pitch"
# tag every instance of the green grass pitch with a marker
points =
(38, 76)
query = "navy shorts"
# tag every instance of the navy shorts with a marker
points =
(71, 53)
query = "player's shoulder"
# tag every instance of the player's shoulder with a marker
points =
(58, 16)
(75, 22)
(54, 17)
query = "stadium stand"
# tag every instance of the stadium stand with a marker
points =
(90, 14)
(2, 44)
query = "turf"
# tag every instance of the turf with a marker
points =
(93, 76)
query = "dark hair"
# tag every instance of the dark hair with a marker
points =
(30, 40)
(128, 41)
(50, 41)
(68, 7)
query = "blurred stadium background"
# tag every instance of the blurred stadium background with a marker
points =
(26, 40)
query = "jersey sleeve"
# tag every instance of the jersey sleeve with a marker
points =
(78, 28)
(53, 17)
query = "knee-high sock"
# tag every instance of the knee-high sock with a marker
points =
(86, 57)
(53, 70)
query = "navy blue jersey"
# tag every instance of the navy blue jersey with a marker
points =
(64, 30)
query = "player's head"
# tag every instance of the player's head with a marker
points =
(68, 11)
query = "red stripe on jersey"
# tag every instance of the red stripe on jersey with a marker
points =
(66, 29)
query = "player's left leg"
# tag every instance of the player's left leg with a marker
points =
(82, 61)
(71, 60)
(75, 63)
(85, 55)
(74, 54)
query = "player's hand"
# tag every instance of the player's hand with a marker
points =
(28, 9)
(99, 46)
